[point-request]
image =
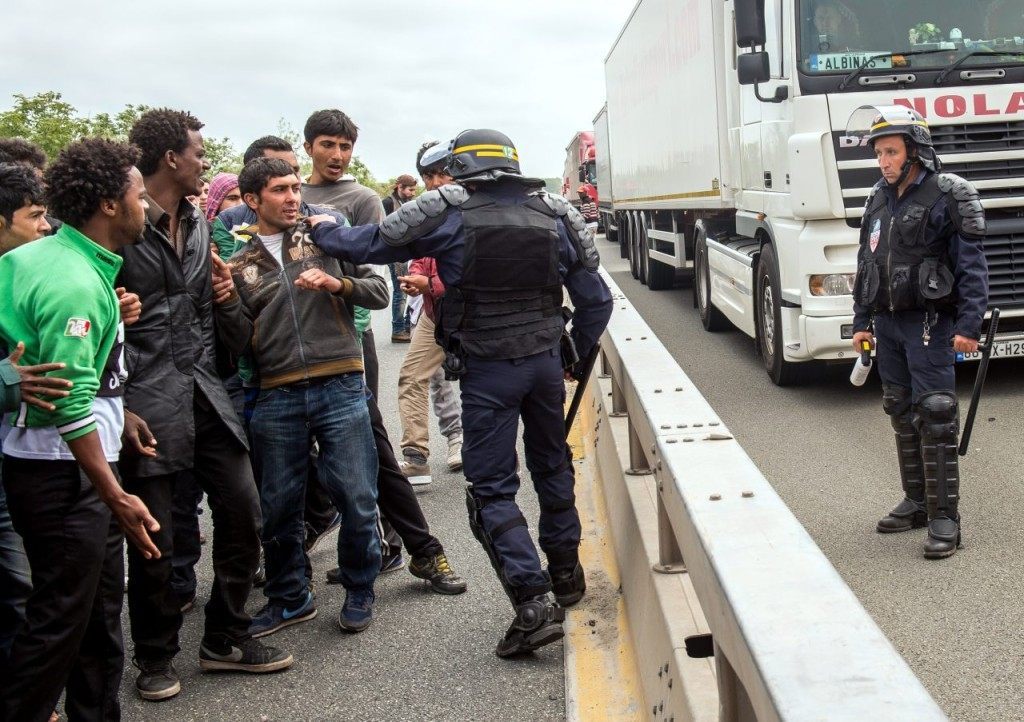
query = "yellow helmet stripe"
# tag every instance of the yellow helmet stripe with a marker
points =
(493, 154)
(886, 124)
(483, 146)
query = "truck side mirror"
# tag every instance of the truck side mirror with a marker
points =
(753, 69)
(750, 29)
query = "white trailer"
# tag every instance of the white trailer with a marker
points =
(727, 155)
(604, 175)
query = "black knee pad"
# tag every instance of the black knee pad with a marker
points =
(939, 416)
(896, 400)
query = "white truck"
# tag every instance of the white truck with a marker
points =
(724, 144)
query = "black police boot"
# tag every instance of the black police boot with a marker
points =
(939, 430)
(538, 622)
(569, 585)
(909, 513)
(567, 578)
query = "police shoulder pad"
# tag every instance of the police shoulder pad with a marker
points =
(417, 218)
(964, 204)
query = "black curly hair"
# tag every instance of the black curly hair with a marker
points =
(158, 131)
(85, 173)
(19, 187)
(19, 150)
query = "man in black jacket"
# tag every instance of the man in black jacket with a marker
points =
(178, 418)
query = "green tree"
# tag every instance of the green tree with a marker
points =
(117, 126)
(45, 119)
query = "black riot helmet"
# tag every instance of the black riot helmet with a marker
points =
(480, 152)
(873, 122)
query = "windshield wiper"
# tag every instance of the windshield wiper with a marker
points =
(864, 66)
(974, 54)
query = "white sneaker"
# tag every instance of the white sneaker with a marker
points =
(455, 453)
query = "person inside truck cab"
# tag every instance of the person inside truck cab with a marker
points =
(836, 28)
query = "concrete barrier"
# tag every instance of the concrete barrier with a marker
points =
(735, 612)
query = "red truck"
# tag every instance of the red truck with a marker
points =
(580, 168)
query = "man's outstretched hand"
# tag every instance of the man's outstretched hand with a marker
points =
(34, 383)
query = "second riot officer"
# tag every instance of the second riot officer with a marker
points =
(505, 249)
(920, 296)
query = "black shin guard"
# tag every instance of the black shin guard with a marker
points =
(909, 513)
(939, 424)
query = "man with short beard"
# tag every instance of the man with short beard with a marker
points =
(59, 465)
(298, 302)
(179, 418)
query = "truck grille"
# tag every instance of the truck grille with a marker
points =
(1004, 251)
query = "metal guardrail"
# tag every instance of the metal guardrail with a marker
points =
(790, 639)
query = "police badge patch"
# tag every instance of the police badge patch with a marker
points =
(876, 234)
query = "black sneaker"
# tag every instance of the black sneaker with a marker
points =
(538, 622)
(357, 611)
(248, 656)
(314, 536)
(157, 679)
(436, 570)
(568, 585)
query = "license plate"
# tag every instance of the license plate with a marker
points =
(825, 62)
(1000, 349)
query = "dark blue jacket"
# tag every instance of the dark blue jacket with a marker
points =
(970, 269)
(591, 299)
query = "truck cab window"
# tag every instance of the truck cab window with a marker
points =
(837, 36)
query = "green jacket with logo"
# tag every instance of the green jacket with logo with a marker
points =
(57, 295)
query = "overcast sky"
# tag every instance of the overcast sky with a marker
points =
(406, 72)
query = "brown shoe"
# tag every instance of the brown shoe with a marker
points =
(401, 337)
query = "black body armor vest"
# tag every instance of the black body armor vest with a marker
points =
(508, 304)
(899, 268)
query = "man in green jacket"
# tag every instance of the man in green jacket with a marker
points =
(62, 487)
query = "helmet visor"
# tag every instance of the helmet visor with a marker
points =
(435, 154)
(873, 121)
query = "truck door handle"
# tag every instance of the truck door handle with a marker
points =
(767, 179)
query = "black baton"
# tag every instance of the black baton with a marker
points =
(581, 386)
(979, 381)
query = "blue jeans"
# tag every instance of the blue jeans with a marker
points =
(399, 318)
(15, 579)
(285, 420)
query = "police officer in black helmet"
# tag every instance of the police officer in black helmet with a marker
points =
(505, 250)
(920, 296)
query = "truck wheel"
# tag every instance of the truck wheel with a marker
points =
(710, 317)
(642, 259)
(610, 235)
(768, 311)
(659, 275)
(622, 236)
(634, 252)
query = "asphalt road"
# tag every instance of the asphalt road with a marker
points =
(828, 450)
(426, 656)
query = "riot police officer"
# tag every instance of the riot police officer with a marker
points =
(505, 249)
(920, 296)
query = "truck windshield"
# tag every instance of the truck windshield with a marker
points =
(838, 36)
(591, 172)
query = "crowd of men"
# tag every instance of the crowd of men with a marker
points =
(159, 351)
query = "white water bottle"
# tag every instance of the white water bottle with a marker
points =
(862, 366)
